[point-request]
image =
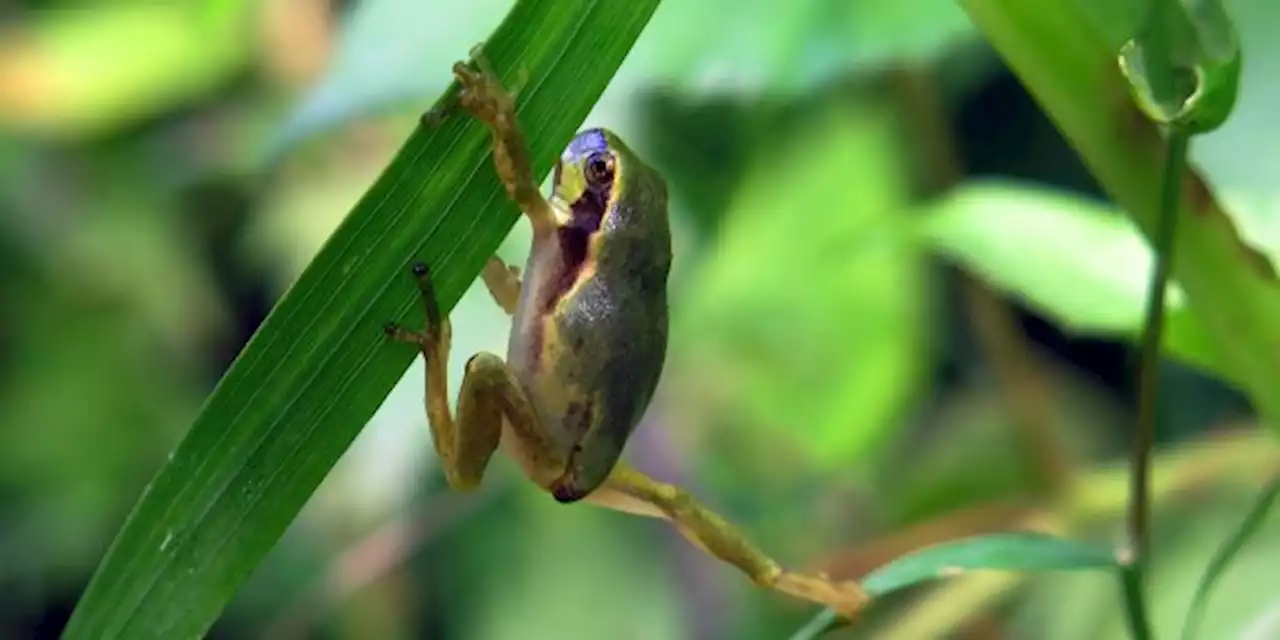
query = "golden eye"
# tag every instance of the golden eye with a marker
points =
(599, 169)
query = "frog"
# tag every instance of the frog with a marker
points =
(587, 345)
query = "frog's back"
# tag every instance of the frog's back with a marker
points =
(590, 332)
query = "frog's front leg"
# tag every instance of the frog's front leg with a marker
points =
(489, 394)
(630, 491)
(483, 96)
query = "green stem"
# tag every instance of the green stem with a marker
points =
(1145, 431)
(1134, 608)
(1153, 330)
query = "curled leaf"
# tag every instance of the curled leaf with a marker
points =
(1183, 68)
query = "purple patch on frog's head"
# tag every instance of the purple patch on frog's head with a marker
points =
(584, 144)
(587, 143)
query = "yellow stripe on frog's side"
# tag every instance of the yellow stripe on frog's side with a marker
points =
(585, 274)
(576, 184)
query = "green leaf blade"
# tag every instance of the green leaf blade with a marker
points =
(1020, 551)
(319, 366)
(1025, 552)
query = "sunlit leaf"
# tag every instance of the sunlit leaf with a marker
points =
(809, 307)
(1078, 261)
(1265, 626)
(320, 365)
(1231, 156)
(115, 63)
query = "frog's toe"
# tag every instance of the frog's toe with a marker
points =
(397, 332)
(483, 95)
(466, 75)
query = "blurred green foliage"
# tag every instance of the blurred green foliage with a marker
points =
(828, 385)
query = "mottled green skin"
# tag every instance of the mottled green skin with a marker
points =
(591, 365)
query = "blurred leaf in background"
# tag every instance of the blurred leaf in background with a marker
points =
(807, 310)
(76, 70)
(383, 60)
(1078, 261)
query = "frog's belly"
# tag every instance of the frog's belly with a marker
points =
(540, 466)
(588, 370)
(543, 459)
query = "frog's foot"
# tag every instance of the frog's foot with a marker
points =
(484, 97)
(845, 598)
(630, 491)
(482, 63)
(434, 339)
(482, 93)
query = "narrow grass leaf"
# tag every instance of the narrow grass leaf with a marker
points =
(817, 626)
(316, 370)
(1221, 560)
(1023, 552)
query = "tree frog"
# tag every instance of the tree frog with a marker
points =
(587, 343)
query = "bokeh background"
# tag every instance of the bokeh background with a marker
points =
(847, 379)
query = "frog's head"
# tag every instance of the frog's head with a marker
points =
(603, 185)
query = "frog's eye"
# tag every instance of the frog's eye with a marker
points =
(599, 169)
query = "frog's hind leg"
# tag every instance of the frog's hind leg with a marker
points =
(489, 394)
(503, 283)
(632, 492)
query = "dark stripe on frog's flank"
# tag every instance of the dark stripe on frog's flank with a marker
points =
(580, 415)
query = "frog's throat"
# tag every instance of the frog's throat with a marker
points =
(586, 215)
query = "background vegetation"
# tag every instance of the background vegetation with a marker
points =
(902, 311)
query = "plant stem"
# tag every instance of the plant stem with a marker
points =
(1149, 367)
(1134, 606)
(1153, 330)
